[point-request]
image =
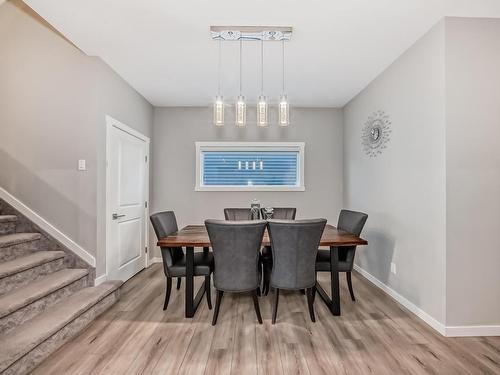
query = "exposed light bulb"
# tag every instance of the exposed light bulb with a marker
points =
(219, 111)
(262, 111)
(284, 111)
(241, 111)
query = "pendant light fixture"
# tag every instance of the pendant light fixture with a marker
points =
(219, 100)
(241, 107)
(284, 106)
(262, 103)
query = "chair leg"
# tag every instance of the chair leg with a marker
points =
(217, 306)
(314, 288)
(303, 291)
(167, 293)
(256, 305)
(310, 303)
(275, 306)
(179, 283)
(208, 292)
(349, 284)
(267, 275)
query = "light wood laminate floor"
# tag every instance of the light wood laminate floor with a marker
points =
(374, 335)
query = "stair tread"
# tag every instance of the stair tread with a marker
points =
(32, 333)
(29, 261)
(21, 297)
(17, 238)
(7, 218)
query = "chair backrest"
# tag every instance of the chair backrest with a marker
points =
(236, 246)
(352, 221)
(281, 213)
(164, 224)
(238, 214)
(294, 244)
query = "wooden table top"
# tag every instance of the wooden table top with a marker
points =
(197, 236)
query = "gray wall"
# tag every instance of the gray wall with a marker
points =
(176, 130)
(473, 171)
(53, 102)
(403, 190)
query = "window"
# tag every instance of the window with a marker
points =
(249, 166)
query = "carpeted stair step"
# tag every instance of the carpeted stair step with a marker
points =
(29, 344)
(21, 271)
(17, 244)
(7, 224)
(22, 304)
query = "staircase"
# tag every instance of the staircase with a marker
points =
(46, 294)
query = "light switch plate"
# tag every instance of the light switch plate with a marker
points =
(82, 165)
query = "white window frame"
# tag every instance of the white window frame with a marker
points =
(249, 146)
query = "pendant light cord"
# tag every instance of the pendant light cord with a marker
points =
(283, 66)
(241, 48)
(262, 66)
(219, 68)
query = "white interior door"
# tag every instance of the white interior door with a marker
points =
(127, 197)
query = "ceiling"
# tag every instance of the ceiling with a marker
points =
(163, 47)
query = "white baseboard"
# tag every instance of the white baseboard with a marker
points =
(99, 280)
(448, 331)
(47, 227)
(155, 260)
(465, 331)
(438, 326)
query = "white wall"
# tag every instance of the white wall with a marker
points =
(176, 130)
(473, 171)
(403, 190)
(53, 102)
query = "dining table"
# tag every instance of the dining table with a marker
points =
(196, 236)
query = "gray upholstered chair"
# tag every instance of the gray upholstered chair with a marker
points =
(281, 213)
(238, 214)
(352, 222)
(236, 249)
(294, 244)
(174, 260)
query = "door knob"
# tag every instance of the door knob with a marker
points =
(116, 216)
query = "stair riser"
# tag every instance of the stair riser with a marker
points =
(11, 321)
(7, 228)
(23, 278)
(15, 251)
(32, 359)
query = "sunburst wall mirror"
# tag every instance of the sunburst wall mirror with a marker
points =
(376, 133)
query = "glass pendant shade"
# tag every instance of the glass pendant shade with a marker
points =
(262, 111)
(219, 111)
(241, 111)
(284, 111)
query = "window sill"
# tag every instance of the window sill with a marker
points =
(250, 188)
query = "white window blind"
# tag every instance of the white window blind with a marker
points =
(249, 166)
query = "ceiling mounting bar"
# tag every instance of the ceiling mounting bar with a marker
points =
(264, 33)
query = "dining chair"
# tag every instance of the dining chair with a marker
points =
(282, 213)
(352, 222)
(294, 244)
(236, 248)
(238, 214)
(174, 260)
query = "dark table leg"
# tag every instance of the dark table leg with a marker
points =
(333, 303)
(192, 303)
(334, 275)
(189, 311)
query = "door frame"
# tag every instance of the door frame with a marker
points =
(110, 124)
